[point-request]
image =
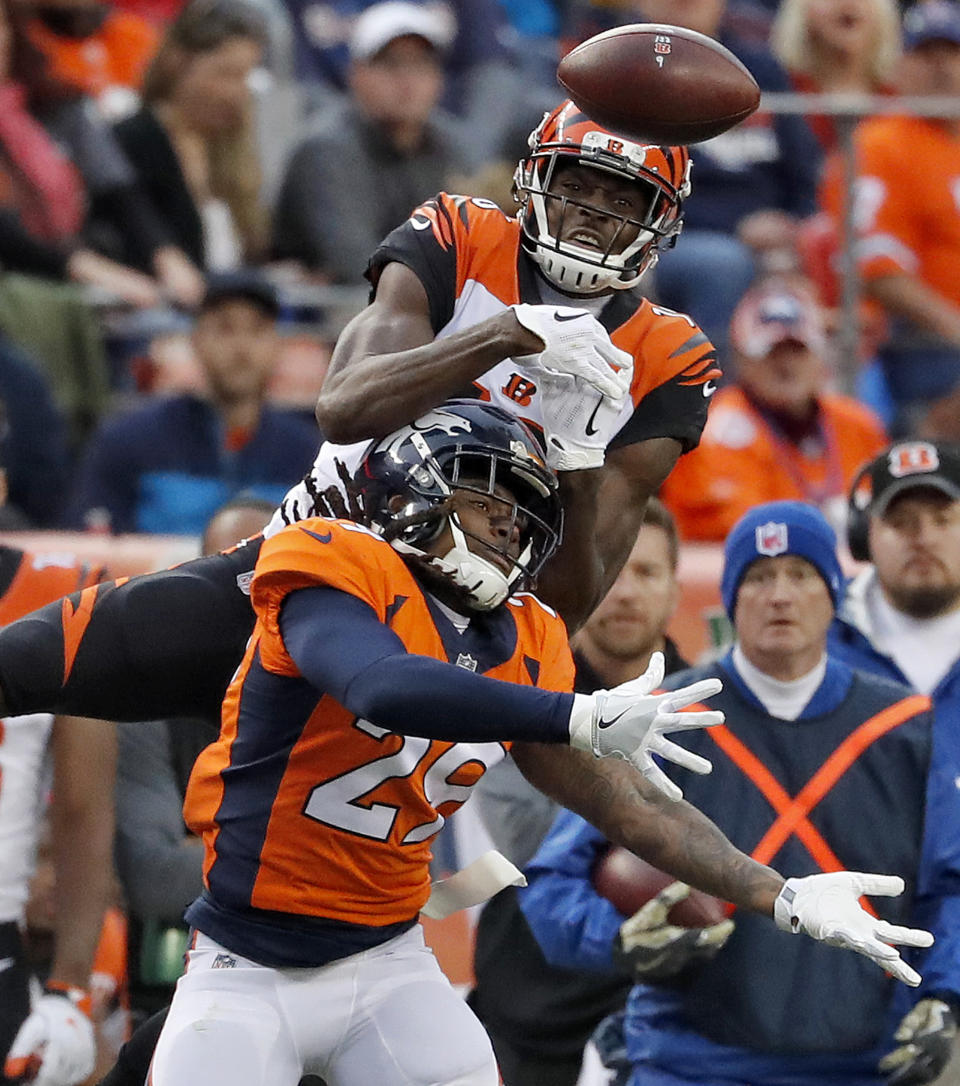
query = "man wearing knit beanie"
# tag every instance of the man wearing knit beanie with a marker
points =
(817, 768)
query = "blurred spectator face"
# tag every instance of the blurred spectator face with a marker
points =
(778, 338)
(212, 87)
(850, 27)
(634, 614)
(701, 15)
(232, 524)
(783, 610)
(402, 83)
(932, 68)
(236, 343)
(915, 549)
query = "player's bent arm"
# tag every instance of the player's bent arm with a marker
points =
(907, 296)
(82, 822)
(631, 475)
(387, 368)
(673, 836)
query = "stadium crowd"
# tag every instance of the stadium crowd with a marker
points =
(207, 206)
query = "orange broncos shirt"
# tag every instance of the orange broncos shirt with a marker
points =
(906, 201)
(304, 808)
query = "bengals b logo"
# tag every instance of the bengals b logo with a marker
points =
(912, 458)
(519, 389)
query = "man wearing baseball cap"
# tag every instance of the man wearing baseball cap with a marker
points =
(900, 618)
(367, 161)
(776, 432)
(805, 769)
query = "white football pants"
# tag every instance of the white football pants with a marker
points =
(384, 1017)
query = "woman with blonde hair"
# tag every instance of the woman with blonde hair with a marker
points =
(192, 146)
(837, 46)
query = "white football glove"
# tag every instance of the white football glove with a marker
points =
(578, 422)
(55, 1046)
(629, 722)
(826, 908)
(575, 342)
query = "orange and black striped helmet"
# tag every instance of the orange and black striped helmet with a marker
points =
(662, 173)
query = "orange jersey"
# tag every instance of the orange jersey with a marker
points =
(906, 201)
(29, 581)
(308, 811)
(743, 460)
(467, 254)
(116, 55)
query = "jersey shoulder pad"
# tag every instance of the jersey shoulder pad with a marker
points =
(543, 635)
(669, 345)
(317, 552)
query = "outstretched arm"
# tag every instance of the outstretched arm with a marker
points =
(673, 836)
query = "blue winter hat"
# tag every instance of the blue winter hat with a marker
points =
(780, 528)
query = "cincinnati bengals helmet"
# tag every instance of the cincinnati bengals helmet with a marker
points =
(663, 174)
(407, 479)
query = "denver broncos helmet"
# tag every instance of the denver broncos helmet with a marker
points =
(662, 174)
(407, 479)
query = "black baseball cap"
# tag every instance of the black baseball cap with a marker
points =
(245, 283)
(907, 465)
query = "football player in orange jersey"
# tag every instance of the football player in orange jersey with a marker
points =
(537, 313)
(389, 667)
(50, 1035)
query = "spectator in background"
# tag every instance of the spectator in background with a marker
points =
(43, 192)
(776, 432)
(368, 162)
(34, 448)
(793, 787)
(193, 152)
(538, 1016)
(753, 185)
(91, 45)
(486, 76)
(837, 47)
(908, 220)
(166, 466)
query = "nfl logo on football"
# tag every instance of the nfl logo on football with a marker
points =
(771, 538)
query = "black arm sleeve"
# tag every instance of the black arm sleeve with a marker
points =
(367, 669)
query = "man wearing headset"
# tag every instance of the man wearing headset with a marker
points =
(901, 618)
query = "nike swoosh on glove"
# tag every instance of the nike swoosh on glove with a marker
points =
(926, 1035)
(629, 722)
(578, 422)
(576, 343)
(55, 1045)
(826, 908)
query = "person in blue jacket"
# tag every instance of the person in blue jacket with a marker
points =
(818, 767)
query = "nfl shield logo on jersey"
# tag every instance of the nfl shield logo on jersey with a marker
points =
(771, 538)
(467, 661)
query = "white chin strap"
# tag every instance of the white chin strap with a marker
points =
(484, 582)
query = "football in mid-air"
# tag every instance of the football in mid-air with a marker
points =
(659, 84)
(628, 883)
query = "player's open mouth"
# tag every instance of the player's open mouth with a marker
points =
(585, 237)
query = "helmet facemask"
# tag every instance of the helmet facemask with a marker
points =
(417, 513)
(579, 269)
